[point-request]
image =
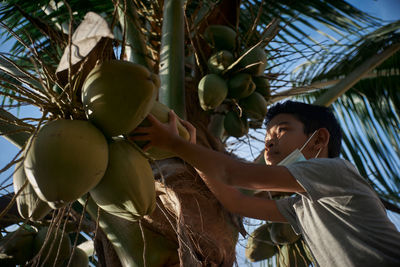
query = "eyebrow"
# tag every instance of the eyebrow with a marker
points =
(279, 124)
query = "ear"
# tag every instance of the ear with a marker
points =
(322, 139)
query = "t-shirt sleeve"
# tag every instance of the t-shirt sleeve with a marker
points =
(322, 177)
(285, 206)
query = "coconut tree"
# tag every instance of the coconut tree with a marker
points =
(59, 43)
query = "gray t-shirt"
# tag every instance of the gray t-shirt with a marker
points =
(340, 216)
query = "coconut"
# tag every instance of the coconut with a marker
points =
(127, 189)
(65, 160)
(254, 106)
(161, 111)
(262, 86)
(220, 37)
(241, 85)
(234, 125)
(283, 233)
(118, 95)
(79, 258)
(55, 244)
(212, 91)
(219, 61)
(16, 247)
(29, 205)
(255, 61)
(292, 255)
(259, 245)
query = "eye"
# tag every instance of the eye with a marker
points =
(281, 129)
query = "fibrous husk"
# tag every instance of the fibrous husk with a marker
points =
(212, 91)
(161, 111)
(219, 61)
(190, 214)
(283, 233)
(220, 37)
(51, 244)
(29, 205)
(16, 247)
(262, 86)
(127, 188)
(240, 86)
(254, 106)
(66, 159)
(259, 245)
(234, 125)
(118, 95)
(255, 61)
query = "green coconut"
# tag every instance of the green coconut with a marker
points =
(161, 111)
(29, 205)
(220, 37)
(259, 245)
(283, 233)
(16, 247)
(293, 255)
(51, 244)
(262, 86)
(212, 91)
(127, 189)
(255, 61)
(240, 86)
(234, 125)
(79, 258)
(118, 95)
(219, 61)
(65, 160)
(254, 106)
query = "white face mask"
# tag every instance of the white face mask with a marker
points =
(296, 155)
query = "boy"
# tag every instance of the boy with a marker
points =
(339, 215)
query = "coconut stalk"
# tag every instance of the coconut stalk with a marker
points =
(356, 75)
(128, 19)
(172, 71)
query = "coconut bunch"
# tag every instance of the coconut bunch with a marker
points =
(44, 246)
(235, 77)
(277, 239)
(80, 147)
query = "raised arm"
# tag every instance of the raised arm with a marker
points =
(223, 173)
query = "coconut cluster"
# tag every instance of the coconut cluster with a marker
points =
(68, 158)
(236, 78)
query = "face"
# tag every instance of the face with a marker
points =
(284, 134)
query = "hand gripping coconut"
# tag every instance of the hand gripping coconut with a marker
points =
(160, 111)
(65, 160)
(118, 95)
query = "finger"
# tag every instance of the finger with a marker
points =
(139, 138)
(147, 146)
(140, 130)
(172, 117)
(153, 120)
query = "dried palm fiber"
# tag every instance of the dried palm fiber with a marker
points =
(202, 224)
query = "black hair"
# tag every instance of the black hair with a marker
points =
(313, 118)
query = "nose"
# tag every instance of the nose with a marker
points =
(269, 143)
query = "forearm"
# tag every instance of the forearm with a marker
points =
(209, 162)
